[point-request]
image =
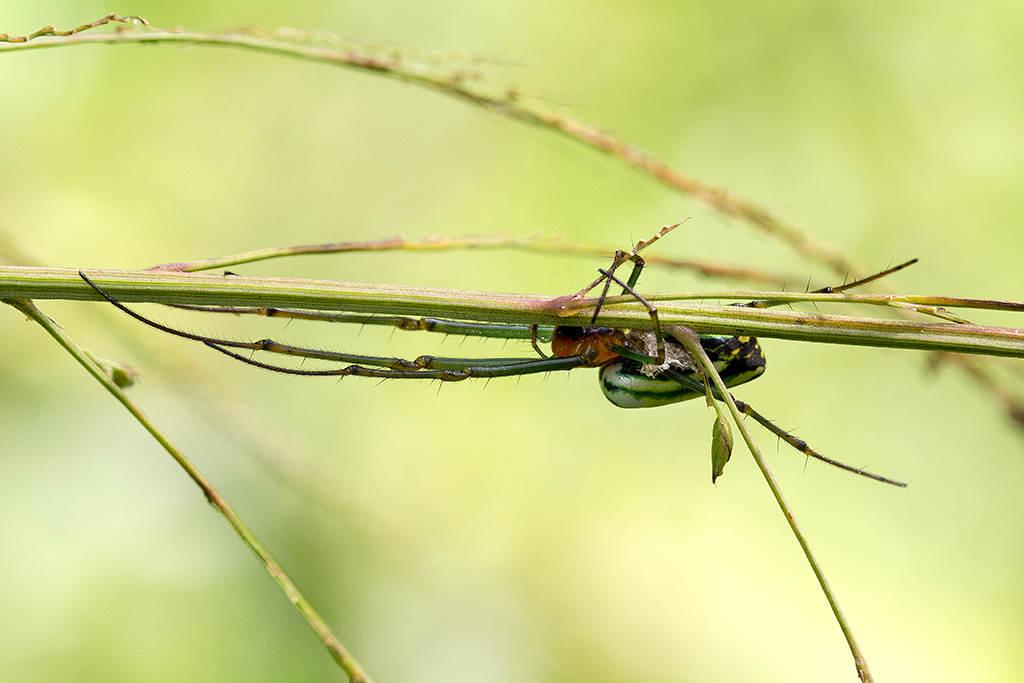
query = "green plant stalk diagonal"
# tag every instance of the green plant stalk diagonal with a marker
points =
(334, 646)
(691, 343)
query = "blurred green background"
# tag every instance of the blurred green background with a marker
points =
(509, 530)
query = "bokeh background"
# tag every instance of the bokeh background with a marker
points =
(509, 530)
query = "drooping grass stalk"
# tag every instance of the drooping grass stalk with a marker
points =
(691, 342)
(409, 67)
(333, 645)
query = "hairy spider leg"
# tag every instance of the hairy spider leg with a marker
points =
(623, 256)
(423, 367)
(607, 277)
(438, 325)
(737, 359)
(444, 369)
(625, 362)
(627, 288)
(767, 303)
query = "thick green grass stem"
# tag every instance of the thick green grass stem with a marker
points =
(334, 646)
(22, 282)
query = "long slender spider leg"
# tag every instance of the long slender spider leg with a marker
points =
(438, 325)
(606, 275)
(533, 342)
(423, 367)
(634, 275)
(158, 326)
(468, 370)
(802, 446)
(601, 278)
(766, 303)
(864, 281)
(623, 256)
(260, 345)
(659, 339)
(627, 287)
(796, 443)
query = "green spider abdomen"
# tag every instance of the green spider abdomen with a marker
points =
(737, 359)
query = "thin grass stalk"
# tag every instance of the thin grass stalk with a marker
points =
(533, 243)
(396, 63)
(337, 651)
(691, 342)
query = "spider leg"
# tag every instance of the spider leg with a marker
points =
(798, 444)
(423, 367)
(447, 369)
(627, 287)
(620, 258)
(438, 325)
(841, 288)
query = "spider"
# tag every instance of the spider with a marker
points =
(638, 368)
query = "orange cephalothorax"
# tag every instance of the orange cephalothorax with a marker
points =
(592, 343)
